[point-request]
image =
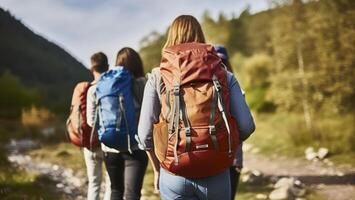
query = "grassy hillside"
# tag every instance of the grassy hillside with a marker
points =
(38, 63)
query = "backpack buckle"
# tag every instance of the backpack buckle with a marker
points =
(188, 131)
(212, 129)
(121, 98)
(216, 83)
(176, 90)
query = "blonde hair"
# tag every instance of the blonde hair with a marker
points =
(184, 29)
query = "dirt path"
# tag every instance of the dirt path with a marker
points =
(334, 183)
(71, 183)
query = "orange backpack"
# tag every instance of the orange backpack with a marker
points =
(78, 131)
(196, 136)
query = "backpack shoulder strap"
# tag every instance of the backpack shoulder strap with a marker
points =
(79, 88)
(138, 85)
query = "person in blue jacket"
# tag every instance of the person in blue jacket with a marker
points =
(238, 164)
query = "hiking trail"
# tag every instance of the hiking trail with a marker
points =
(72, 184)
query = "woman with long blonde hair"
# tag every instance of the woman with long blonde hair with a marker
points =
(174, 177)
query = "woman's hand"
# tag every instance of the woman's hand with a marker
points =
(156, 168)
(238, 169)
(156, 182)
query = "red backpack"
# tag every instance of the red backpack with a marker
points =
(196, 136)
(78, 131)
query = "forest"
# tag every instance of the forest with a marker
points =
(296, 64)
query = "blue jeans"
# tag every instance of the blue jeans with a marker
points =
(215, 187)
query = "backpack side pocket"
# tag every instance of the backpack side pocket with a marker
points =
(160, 137)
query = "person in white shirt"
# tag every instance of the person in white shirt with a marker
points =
(94, 158)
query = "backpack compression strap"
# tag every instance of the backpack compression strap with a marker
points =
(93, 129)
(167, 103)
(221, 107)
(121, 99)
(79, 124)
(174, 119)
(186, 125)
(180, 106)
(212, 126)
(119, 118)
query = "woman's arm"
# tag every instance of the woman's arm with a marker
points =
(240, 109)
(156, 168)
(150, 112)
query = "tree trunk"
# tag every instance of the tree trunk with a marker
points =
(304, 83)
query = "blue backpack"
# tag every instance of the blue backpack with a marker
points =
(115, 109)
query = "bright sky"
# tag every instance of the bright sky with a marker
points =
(84, 27)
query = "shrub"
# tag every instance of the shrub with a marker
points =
(256, 72)
(35, 117)
(333, 132)
(15, 96)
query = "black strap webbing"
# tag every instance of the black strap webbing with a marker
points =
(212, 126)
(187, 126)
(119, 118)
(123, 114)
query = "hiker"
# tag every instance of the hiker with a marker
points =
(195, 107)
(115, 109)
(236, 169)
(82, 135)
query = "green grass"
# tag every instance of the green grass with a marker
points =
(271, 135)
(285, 134)
(17, 184)
(64, 154)
(148, 184)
